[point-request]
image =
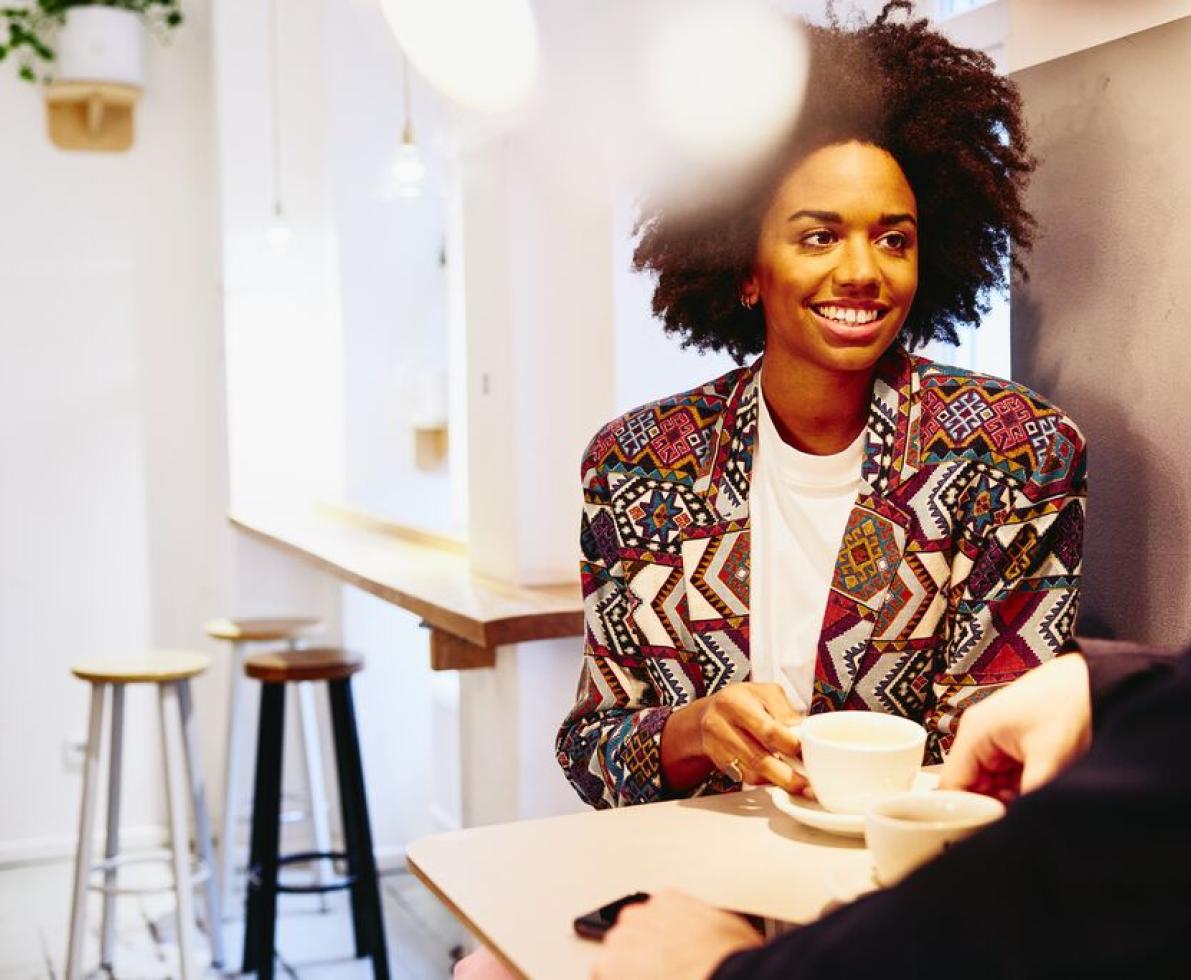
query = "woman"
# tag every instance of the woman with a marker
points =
(840, 524)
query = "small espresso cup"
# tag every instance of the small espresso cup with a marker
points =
(908, 829)
(852, 758)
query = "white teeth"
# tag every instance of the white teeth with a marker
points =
(847, 315)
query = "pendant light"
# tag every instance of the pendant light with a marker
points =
(407, 172)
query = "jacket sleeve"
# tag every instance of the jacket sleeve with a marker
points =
(1014, 589)
(609, 745)
(1087, 877)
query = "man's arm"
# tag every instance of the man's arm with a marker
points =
(1116, 669)
(1085, 877)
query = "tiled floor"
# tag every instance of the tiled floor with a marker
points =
(312, 945)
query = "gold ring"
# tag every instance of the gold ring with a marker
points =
(734, 770)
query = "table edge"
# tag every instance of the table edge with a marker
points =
(462, 917)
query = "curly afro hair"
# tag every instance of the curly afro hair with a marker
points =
(953, 125)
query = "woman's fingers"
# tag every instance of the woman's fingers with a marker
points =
(761, 711)
(777, 736)
(724, 744)
(728, 743)
(773, 770)
(749, 724)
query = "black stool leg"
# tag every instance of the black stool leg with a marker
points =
(260, 917)
(367, 919)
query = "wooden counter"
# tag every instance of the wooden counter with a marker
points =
(468, 615)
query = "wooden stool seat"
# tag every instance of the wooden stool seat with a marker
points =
(261, 630)
(159, 667)
(319, 664)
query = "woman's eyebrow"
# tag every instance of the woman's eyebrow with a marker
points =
(827, 217)
(833, 218)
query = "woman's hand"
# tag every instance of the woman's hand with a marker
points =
(740, 731)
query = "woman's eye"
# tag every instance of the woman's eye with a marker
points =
(818, 239)
(895, 241)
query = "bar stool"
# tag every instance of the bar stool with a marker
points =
(275, 671)
(240, 633)
(171, 672)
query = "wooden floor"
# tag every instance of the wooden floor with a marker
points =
(423, 937)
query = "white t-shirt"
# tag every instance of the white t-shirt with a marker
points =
(798, 508)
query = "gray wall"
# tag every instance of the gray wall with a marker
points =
(1104, 325)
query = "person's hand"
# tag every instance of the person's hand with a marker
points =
(1020, 737)
(745, 728)
(671, 937)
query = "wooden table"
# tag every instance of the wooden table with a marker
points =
(518, 886)
(468, 615)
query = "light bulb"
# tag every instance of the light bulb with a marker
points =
(407, 171)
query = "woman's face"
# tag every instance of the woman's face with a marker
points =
(837, 259)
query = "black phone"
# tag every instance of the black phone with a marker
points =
(593, 924)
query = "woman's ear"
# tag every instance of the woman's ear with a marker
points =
(750, 293)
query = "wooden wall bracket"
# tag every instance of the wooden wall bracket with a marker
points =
(450, 652)
(96, 116)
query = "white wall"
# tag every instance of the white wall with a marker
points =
(1043, 31)
(281, 307)
(111, 428)
(650, 363)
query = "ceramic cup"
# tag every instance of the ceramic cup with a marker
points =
(908, 829)
(852, 758)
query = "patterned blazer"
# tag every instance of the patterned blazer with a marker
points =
(958, 570)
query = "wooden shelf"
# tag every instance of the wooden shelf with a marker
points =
(469, 615)
(96, 116)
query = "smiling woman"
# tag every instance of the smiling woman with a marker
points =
(839, 524)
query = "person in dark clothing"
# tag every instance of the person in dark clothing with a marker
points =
(1088, 875)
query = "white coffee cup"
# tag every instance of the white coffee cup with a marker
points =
(908, 829)
(852, 758)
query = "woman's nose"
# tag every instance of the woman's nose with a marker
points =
(857, 267)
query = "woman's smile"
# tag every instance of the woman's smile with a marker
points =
(850, 322)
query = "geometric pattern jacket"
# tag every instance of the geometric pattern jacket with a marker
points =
(958, 570)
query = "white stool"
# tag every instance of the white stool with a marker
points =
(171, 672)
(240, 633)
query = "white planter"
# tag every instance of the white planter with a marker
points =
(101, 44)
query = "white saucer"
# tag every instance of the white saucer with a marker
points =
(811, 813)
